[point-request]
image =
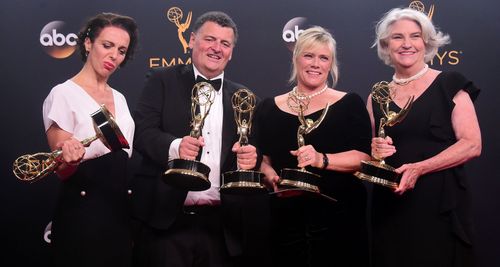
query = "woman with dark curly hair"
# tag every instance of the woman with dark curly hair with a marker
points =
(91, 225)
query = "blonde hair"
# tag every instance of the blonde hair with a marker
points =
(311, 37)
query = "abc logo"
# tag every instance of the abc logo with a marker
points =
(56, 42)
(292, 30)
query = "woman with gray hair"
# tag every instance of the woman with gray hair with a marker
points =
(309, 229)
(426, 220)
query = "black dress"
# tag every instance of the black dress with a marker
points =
(91, 224)
(311, 231)
(431, 224)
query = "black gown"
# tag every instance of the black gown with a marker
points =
(430, 225)
(93, 228)
(309, 231)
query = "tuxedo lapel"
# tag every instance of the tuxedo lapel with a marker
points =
(187, 79)
(228, 126)
(186, 84)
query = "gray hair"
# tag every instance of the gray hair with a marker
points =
(311, 37)
(221, 18)
(433, 38)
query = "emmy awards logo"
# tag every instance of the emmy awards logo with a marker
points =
(377, 171)
(192, 175)
(419, 6)
(301, 178)
(174, 15)
(243, 181)
(33, 167)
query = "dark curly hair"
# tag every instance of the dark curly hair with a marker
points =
(94, 26)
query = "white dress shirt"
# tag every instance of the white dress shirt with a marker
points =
(211, 152)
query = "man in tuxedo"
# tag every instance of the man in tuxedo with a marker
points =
(186, 228)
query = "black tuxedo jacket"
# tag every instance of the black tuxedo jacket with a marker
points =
(164, 114)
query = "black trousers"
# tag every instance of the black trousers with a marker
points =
(195, 239)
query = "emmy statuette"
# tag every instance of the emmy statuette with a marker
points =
(301, 178)
(33, 167)
(192, 175)
(174, 15)
(243, 181)
(376, 171)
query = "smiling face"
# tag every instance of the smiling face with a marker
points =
(108, 50)
(313, 66)
(212, 47)
(406, 45)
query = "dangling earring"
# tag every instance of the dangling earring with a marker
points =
(86, 53)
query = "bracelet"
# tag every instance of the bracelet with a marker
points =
(325, 161)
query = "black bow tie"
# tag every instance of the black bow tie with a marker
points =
(216, 83)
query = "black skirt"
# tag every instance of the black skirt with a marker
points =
(91, 224)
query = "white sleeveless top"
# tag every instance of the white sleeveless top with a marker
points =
(70, 106)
